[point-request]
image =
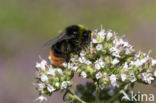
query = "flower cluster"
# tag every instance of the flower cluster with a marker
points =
(51, 79)
(108, 60)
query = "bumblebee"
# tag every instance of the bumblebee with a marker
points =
(72, 40)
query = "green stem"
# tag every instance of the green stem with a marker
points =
(97, 94)
(74, 96)
(117, 94)
(113, 98)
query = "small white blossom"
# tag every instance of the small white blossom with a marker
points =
(50, 88)
(70, 65)
(65, 64)
(74, 68)
(42, 65)
(138, 63)
(82, 59)
(123, 77)
(98, 75)
(41, 99)
(109, 35)
(113, 80)
(97, 66)
(147, 77)
(115, 61)
(102, 34)
(153, 62)
(49, 57)
(94, 40)
(51, 72)
(41, 85)
(64, 85)
(88, 62)
(99, 47)
(44, 78)
(102, 64)
(125, 66)
(59, 70)
(57, 84)
(132, 77)
(82, 54)
(83, 74)
(155, 73)
(38, 65)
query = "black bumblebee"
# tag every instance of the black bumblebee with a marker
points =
(71, 40)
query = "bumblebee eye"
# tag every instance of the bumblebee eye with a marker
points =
(86, 34)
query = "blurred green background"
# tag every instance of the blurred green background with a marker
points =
(25, 25)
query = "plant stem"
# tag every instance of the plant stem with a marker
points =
(97, 94)
(114, 97)
(74, 96)
(117, 94)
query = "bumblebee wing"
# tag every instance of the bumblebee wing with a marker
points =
(57, 39)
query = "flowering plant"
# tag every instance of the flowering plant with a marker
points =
(110, 62)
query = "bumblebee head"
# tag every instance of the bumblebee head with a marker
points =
(86, 37)
(80, 33)
(73, 30)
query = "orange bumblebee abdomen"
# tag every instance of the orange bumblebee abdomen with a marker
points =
(57, 61)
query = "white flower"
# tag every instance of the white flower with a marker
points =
(59, 70)
(74, 68)
(82, 54)
(113, 80)
(138, 63)
(44, 78)
(88, 62)
(57, 84)
(41, 85)
(49, 57)
(125, 66)
(94, 40)
(144, 60)
(109, 35)
(99, 47)
(128, 51)
(42, 65)
(153, 62)
(50, 88)
(83, 74)
(102, 34)
(65, 64)
(98, 75)
(123, 77)
(132, 77)
(102, 64)
(147, 77)
(97, 66)
(64, 85)
(116, 54)
(132, 63)
(70, 65)
(38, 65)
(41, 99)
(155, 73)
(51, 72)
(82, 59)
(115, 61)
